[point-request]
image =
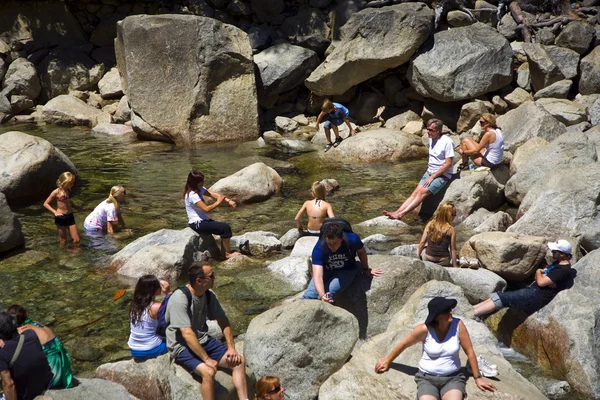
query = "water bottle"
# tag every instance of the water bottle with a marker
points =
(471, 165)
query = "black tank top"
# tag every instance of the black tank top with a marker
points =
(441, 249)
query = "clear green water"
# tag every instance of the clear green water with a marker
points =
(72, 291)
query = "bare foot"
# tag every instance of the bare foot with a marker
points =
(231, 255)
(380, 111)
(391, 215)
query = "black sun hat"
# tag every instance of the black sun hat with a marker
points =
(437, 306)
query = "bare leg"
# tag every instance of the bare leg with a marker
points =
(74, 234)
(328, 135)
(470, 145)
(336, 131)
(62, 236)
(453, 394)
(485, 307)
(413, 201)
(428, 397)
(207, 387)
(238, 374)
(225, 246)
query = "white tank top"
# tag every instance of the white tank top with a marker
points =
(441, 358)
(143, 335)
(495, 150)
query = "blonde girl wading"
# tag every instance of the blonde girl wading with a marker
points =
(63, 214)
(317, 210)
(107, 215)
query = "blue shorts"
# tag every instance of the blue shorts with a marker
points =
(190, 361)
(148, 354)
(333, 121)
(437, 185)
(525, 299)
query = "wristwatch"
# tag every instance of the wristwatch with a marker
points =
(477, 377)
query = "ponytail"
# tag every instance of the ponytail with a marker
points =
(115, 191)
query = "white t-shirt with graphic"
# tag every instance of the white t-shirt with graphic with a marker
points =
(439, 150)
(194, 213)
(99, 218)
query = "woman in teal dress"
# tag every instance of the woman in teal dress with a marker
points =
(56, 354)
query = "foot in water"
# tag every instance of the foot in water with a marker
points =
(391, 215)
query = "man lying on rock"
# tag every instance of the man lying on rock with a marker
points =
(439, 170)
(334, 265)
(187, 334)
(548, 282)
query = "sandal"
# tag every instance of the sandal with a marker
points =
(463, 166)
(337, 142)
(328, 146)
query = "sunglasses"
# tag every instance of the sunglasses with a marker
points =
(211, 276)
(275, 390)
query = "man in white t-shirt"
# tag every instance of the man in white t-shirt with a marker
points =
(439, 169)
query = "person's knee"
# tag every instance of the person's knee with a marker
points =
(327, 125)
(206, 373)
(226, 231)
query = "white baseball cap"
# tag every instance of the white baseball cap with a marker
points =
(561, 245)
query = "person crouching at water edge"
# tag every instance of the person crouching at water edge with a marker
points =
(334, 265)
(107, 217)
(442, 335)
(334, 114)
(197, 209)
(439, 170)
(317, 210)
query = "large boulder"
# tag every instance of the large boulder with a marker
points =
(544, 71)
(304, 246)
(525, 152)
(110, 85)
(302, 343)
(257, 243)
(566, 111)
(202, 72)
(308, 29)
(499, 221)
(477, 284)
(283, 67)
(90, 389)
(512, 256)
(21, 79)
(462, 63)
(380, 145)
(161, 379)
(566, 151)
(70, 111)
(589, 81)
(577, 36)
(477, 189)
(10, 227)
(256, 182)
(65, 70)
(562, 338)
(295, 270)
(358, 380)
(527, 121)
(564, 204)
(166, 253)
(30, 165)
(567, 60)
(372, 41)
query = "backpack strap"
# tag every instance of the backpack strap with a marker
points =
(13, 360)
(188, 294)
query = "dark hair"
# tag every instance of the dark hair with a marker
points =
(143, 294)
(333, 231)
(196, 271)
(8, 326)
(18, 312)
(194, 178)
(263, 386)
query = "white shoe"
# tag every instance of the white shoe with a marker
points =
(486, 368)
(463, 262)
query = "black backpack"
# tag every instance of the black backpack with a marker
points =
(161, 329)
(346, 228)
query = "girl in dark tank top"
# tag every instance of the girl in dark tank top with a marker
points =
(439, 237)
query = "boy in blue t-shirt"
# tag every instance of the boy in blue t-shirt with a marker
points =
(334, 266)
(335, 114)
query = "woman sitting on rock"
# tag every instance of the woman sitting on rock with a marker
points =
(439, 237)
(316, 209)
(442, 335)
(492, 140)
(56, 354)
(269, 388)
(107, 215)
(197, 209)
(143, 342)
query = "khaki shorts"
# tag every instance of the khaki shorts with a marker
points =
(438, 386)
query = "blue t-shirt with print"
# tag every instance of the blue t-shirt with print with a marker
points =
(342, 259)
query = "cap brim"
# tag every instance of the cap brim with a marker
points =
(553, 246)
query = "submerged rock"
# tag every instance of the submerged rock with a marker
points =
(256, 182)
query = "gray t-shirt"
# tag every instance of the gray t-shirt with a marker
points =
(177, 317)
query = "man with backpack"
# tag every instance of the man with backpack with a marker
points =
(334, 265)
(187, 333)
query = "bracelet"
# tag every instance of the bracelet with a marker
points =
(477, 377)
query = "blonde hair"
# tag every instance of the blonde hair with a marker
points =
(440, 222)
(64, 179)
(263, 386)
(490, 119)
(319, 190)
(115, 191)
(327, 106)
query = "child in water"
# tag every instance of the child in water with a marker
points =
(107, 217)
(63, 214)
(334, 114)
(317, 210)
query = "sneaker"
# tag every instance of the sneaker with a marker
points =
(486, 368)
(473, 263)
(463, 262)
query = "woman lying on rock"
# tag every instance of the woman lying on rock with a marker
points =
(442, 335)
(317, 210)
(56, 353)
(492, 141)
(144, 343)
(439, 237)
(197, 209)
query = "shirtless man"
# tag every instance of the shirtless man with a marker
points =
(317, 210)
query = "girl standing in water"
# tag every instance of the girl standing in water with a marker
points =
(63, 214)
(316, 209)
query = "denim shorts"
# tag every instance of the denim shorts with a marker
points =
(438, 386)
(437, 185)
(525, 299)
(190, 361)
(333, 121)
